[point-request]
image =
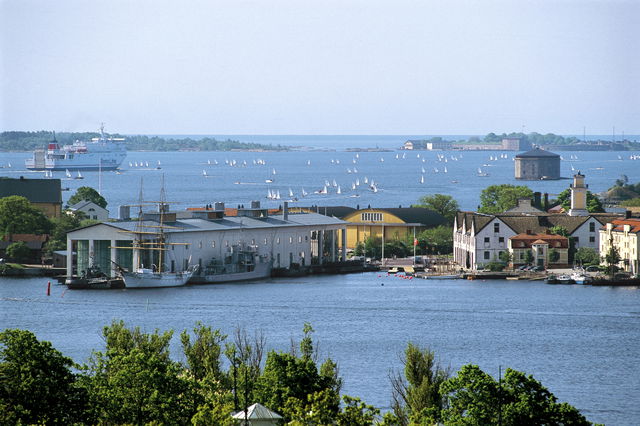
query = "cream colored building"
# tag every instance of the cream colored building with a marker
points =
(622, 234)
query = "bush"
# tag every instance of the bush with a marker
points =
(19, 251)
(495, 266)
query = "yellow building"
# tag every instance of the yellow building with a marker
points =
(388, 223)
(45, 194)
(622, 234)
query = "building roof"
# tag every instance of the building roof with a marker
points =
(532, 222)
(618, 225)
(417, 215)
(335, 211)
(85, 203)
(257, 412)
(537, 153)
(34, 190)
(527, 240)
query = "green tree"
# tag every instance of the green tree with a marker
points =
(86, 193)
(561, 230)
(528, 256)
(438, 240)
(634, 202)
(587, 256)
(612, 258)
(553, 255)
(18, 216)
(135, 381)
(505, 257)
(440, 203)
(36, 382)
(356, 413)
(500, 198)
(291, 384)
(60, 226)
(19, 251)
(594, 205)
(475, 398)
(416, 394)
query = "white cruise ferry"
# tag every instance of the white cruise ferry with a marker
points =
(106, 153)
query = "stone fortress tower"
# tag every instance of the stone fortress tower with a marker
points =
(537, 164)
(578, 196)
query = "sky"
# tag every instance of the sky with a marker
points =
(320, 67)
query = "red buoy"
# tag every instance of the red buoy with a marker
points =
(49, 288)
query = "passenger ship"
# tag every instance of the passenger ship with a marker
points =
(106, 153)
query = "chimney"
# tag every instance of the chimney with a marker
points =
(627, 214)
(285, 210)
(546, 202)
(219, 206)
(124, 212)
(255, 204)
(528, 232)
(536, 200)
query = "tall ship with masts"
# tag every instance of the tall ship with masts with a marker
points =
(101, 153)
(150, 245)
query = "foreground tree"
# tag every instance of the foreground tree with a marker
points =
(587, 256)
(19, 251)
(500, 198)
(440, 203)
(135, 381)
(475, 398)
(18, 216)
(612, 258)
(86, 193)
(416, 392)
(36, 383)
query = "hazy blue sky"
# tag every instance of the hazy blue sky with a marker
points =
(320, 67)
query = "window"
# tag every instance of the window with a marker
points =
(592, 227)
(576, 239)
(213, 244)
(253, 241)
(199, 244)
(486, 239)
(501, 239)
(290, 240)
(95, 216)
(592, 239)
(487, 255)
(278, 240)
(265, 241)
(496, 227)
(300, 239)
(226, 243)
(371, 217)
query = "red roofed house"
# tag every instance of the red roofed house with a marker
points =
(548, 250)
(622, 234)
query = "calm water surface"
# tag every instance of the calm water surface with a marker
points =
(581, 342)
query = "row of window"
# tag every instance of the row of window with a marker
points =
(253, 242)
(371, 217)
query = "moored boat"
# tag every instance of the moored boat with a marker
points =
(241, 264)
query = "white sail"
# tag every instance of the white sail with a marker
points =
(339, 191)
(421, 179)
(67, 173)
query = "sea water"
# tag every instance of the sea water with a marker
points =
(581, 342)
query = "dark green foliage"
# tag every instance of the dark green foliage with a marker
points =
(19, 252)
(372, 247)
(36, 383)
(86, 193)
(438, 240)
(612, 258)
(500, 198)
(553, 255)
(356, 413)
(594, 205)
(476, 398)
(416, 392)
(440, 203)
(61, 225)
(505, 257)
(587, 256)
(135, 381)
(18, 216)
(294, 385)
(495, 266)
(528, 256)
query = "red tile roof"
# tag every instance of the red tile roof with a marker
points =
(618, 225)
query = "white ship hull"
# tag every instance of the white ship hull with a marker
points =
(146, 278)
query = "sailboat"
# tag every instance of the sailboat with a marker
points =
(338, 191)
(67, 173)
(304, 193)
(422, 179)
(481, 173)
(153, 240)
(79, 176)
(158, 167)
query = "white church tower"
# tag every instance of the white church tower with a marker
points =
(578, 196)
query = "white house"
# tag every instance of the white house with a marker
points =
(196, 237)
(481, 238)
(91, 209)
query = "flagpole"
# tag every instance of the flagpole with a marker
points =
(414, 246)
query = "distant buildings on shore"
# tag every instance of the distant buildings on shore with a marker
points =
(510, 144)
